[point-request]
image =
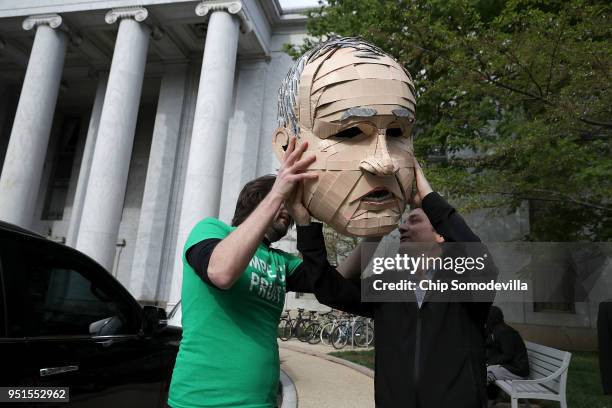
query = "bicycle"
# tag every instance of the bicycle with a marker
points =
(363, 335)
(357, 330)
(289, 328)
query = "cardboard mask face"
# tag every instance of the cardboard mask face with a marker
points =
(356, 110)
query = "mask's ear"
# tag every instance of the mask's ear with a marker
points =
(280, 141)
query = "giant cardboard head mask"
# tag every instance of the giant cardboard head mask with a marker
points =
(355, 106)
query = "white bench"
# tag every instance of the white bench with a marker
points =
(547, 376)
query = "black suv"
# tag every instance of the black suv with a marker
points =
(66, 322)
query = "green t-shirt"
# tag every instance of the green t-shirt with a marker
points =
(228, 355)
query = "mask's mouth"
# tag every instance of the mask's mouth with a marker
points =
(377, 195)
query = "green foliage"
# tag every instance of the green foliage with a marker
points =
(338, 246)
(513, 100)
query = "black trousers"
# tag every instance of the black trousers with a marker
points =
(604, 334)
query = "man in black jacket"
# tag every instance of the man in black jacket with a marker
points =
(430, 353)
(506, 352)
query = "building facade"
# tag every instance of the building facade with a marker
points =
(123, 122)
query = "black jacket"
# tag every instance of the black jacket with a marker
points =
(432, 357)
(505, 346)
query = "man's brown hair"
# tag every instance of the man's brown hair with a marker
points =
(251, 195)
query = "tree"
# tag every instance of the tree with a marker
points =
(513, 100)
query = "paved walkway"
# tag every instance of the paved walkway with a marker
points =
(321, 383)
(320, 347)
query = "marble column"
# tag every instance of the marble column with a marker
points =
(204, 176)
(154, 212)
(88, 150)
(103, 205)
(243, 135)
(25, 156)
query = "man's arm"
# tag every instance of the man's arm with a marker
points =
(316, 275)
(231, 256)
(352, 266)
(449, 224)
(446, 221)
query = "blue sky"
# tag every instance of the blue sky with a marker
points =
(297, 4)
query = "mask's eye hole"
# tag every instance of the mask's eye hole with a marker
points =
(349, 133)
(394, 132)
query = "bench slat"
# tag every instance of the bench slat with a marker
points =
(548, 351)
(554, 361)
(541, 371)
(506, 385)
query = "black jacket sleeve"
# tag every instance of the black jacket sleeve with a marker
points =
(198, 257)
(299, 280)
(328, 286)
(448, 223)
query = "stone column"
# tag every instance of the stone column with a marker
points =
(154, 212)
(103, 205)
(202, 191)
(243, 135)
(25, 156)
(90, 142)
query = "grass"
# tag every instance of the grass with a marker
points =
(362, 357)
(583, 382)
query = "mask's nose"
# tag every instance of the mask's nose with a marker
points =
(380, 162)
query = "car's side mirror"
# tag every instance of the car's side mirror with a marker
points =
(106, 327)
(153, 320)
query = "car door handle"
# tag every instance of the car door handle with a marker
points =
(105, 343)
(57, 370)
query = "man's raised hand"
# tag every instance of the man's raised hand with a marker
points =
(293, 169)
(422, 185)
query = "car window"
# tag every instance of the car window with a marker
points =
(58, 294)
(62, 301)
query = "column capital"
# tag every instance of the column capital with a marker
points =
(232, 7)
(52, 20)
(139, 14)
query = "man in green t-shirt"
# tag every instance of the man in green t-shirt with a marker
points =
(233, 293)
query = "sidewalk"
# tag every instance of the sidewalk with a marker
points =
(320, 347)
(321, 383)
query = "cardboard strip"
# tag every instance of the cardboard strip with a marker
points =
(365, 87)
(352, 59)
(326, 179)
(324, 130)
(405, 176)
(344, 104)
(350, 208)
(401, 75)
(310, 188)
(360, 71)
(337, 193)
(304, 89)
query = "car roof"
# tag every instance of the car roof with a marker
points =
(6, 226)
